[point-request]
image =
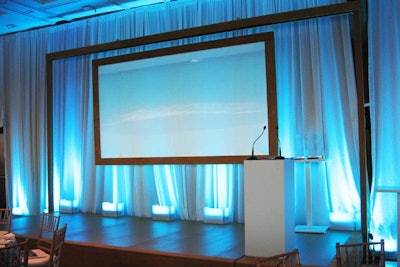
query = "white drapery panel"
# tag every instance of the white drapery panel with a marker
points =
(384, 84)
(24, 98)
(316, 108)
(317, 112)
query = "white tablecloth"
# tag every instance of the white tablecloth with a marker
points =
(6, 238)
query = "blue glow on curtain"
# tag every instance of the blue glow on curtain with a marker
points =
(384, 85)
(166, 184)
(217, 186)
(22, 93)
(316, 112)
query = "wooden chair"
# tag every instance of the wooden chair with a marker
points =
(5, 219)
(360, 254)
(49, 257)
(48, 224)
(288, 259)
(14, 255)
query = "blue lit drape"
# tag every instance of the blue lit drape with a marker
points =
(22, 91)
(384, 84)
(316, 114)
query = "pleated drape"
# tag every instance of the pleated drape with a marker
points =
(316, 113)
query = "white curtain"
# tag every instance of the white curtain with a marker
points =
(24, 99)
(384, 84)
(316, 114)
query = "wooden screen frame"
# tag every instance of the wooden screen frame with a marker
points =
(268, 40)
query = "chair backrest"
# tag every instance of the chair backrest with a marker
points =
(288, 259)
(14, 255)
(361, 254)
(57, 245)
(5, 219)
(48, 225)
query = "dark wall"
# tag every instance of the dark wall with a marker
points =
(2, 172)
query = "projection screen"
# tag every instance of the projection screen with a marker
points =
(198, 103)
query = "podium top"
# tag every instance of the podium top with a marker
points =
(388, 189)
(310, 159)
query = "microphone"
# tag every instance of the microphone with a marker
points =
(252, 149)
(279, 145)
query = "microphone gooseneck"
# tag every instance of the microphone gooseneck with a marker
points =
(279, 145)
(252, 149)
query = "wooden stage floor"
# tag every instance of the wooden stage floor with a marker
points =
(94, 238)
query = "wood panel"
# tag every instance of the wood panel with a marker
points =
(75, 254)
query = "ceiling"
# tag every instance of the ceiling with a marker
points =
(21, 15)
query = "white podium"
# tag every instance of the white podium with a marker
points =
(269, 212)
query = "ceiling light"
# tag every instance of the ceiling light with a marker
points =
(10, 26)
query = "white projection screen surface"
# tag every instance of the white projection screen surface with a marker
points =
(188, 104)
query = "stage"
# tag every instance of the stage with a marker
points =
(94, 240)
